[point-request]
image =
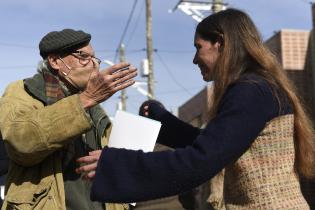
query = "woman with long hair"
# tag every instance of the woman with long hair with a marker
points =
(257, 131)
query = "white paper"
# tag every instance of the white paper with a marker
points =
(133, 132)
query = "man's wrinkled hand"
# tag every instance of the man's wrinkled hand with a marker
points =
(104, 84)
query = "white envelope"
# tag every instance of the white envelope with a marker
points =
(133, 132)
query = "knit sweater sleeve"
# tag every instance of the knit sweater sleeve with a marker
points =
(174, 132)
(133, 176)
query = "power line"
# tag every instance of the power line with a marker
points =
(169, 92)
(136, 25)
(171, 74)
(133, 52)
(17, 45)
(308, 1)
(18, 67)
(126, 28)
(109, 51)
(176, 51)
(105, 51)
(163, 50)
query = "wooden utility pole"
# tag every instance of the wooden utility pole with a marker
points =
(149, 49)
(217, 6)
(123, 95)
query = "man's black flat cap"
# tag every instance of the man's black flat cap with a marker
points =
(65, 41)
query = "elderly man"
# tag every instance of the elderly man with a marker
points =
(51, 119)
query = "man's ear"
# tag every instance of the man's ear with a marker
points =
(53, 61)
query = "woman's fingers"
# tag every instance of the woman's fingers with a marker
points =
(86, 168)
(90, 162)
(89, 167)
(87, 159)
(89, 176)
(95, 152)
(146, 110)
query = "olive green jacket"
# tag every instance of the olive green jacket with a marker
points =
(34, 134)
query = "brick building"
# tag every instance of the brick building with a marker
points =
(293, 49)
(195, 110)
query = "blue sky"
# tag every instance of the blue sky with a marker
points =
(24, 23)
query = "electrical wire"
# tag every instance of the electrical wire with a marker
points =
(18, 67)
(136, 25)
(176, 51)
(126, 28)
(105, 51)
(17, 45)
(109, 51)
(171, 74)
(170, 92)
(308, 1)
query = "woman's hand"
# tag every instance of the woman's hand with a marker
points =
(89, 164)
(144, 109)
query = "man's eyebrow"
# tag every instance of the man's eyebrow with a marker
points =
(81, 51)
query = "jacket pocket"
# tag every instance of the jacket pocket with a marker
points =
(30, 198)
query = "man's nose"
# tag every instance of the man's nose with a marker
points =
(95, 63)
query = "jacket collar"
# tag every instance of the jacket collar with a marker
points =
(36, 87)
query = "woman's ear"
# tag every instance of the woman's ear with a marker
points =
(53, 61)
(218, 46)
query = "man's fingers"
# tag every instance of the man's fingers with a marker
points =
(124, 85)
(123, 73)
(94, 74)
(117, 67)
(104, 84)
(124, 79)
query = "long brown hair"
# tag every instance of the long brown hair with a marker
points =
(242, 50)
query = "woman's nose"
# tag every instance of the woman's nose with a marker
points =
(195, 61)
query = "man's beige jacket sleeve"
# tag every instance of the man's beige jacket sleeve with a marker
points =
(32, 131)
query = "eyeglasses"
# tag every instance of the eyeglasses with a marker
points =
(85, 58)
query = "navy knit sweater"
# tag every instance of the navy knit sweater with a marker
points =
(132, 176)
